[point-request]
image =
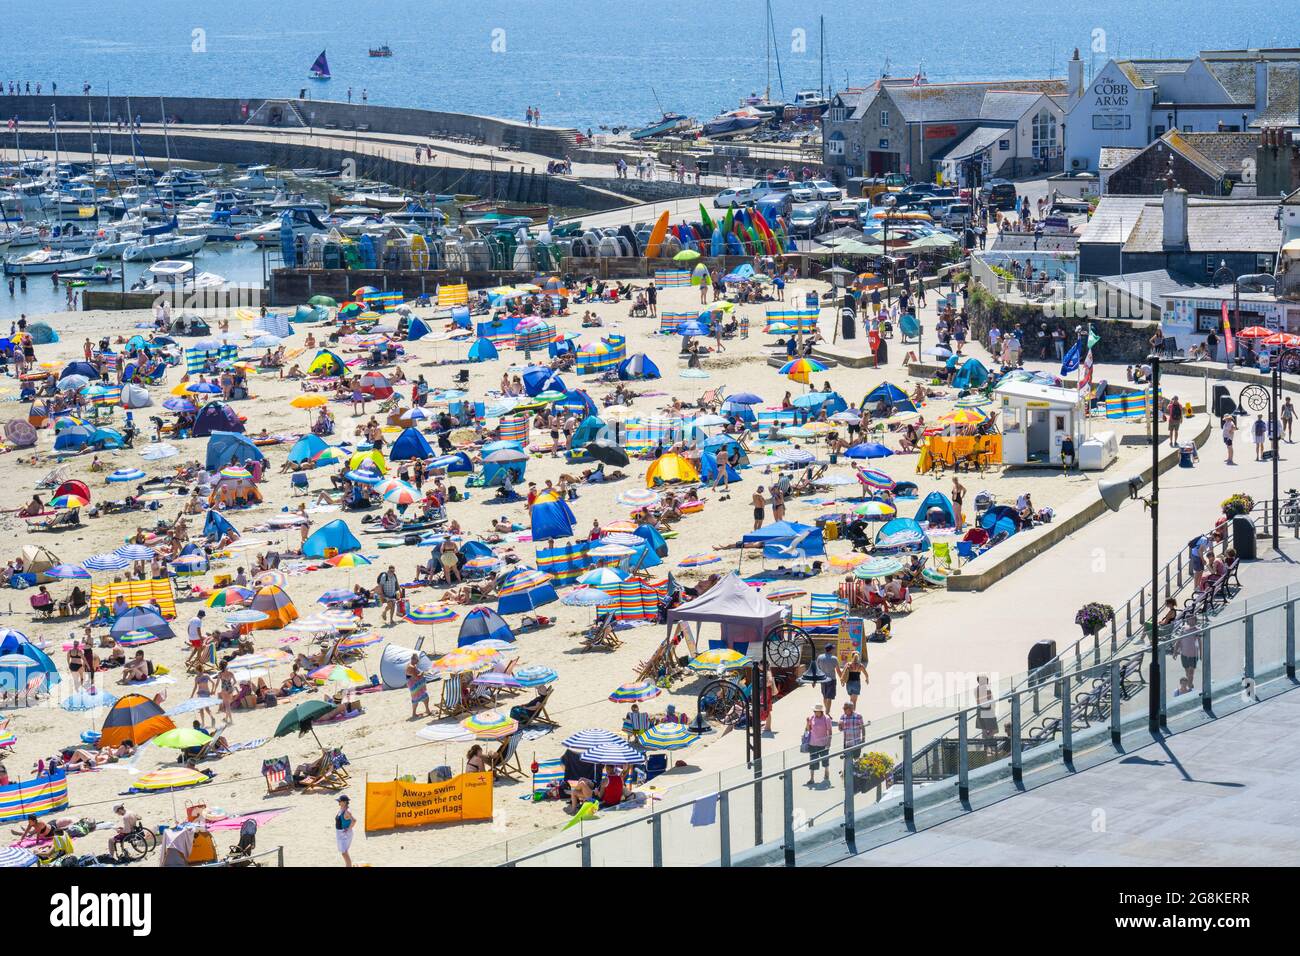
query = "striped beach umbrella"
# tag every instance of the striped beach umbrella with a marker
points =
(7, 738)
(203, 388)
(635, 692)
(337, 673)
(846, 561)
(461, 661)
(801, 369)
(877, 568)
(136, 638)
(136, 552)
(585, 740)
(15, 857)
(875, 479)
(535, 675)
(168, 778)
(784, 593)
(246, 615)
(974, 401)
(336, 596)
(88, 699)
(719, 659)
(402, 495)
(106, 562)
(482, 564)
(271, 579)
(613, 754)
(68, 501)
(236, 471)
(585, 597)
(490, 725)
(429, 614)
(796, 456)
(234, 596)
(875, 509)
(698, 560)
(339, 616)
(964, 416)
(349, 560)
(357, 641)
(68, 572)
(667, 736)
(125, 475)
(178, 404)
(639, 498)
(158, 451)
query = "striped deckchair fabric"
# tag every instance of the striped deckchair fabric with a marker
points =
(804, 319)
(106, 394)
(549, 774)
(669, 322)
(672, 278)
(594, 363)
(640, 434)
(825, 615)
(514, 428)
(1132, 405)
(536, 337)
(453, 294)
(136, 593)
(40, 795)
(634, 600)
(565, 563)
(195, 359)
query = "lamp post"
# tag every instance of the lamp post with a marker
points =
(1153, 677)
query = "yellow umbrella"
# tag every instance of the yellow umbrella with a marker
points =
(309, 401)
(964, 416)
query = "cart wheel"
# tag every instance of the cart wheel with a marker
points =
(1254, 398)
(786, 646)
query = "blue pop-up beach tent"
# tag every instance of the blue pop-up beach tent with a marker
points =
(937, 499)
(637, 366)
(336, 535)
(410, 444)
(538, 379)
(417, 329)
(306, 448)
(894, 395)
(902, 534)
(482, 351)
(215, 417)
(787, 539)
(224, 447)
(216, 526)
(972, 374)
(551, 517)
(483, 624)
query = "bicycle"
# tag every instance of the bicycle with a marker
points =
(1289, 513)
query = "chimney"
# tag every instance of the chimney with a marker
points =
(1174, 203)
(1261, 85)
(1075, 90)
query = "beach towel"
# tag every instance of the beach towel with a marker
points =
(704, 812)
(261, 817)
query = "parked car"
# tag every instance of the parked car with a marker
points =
(803, 192)
(740, 196)
(845, 214)
(827, 191)
(956, 215)
(809, 219)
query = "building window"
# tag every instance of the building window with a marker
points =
(884, 119)
(835, 147)
(1005, 144)
(1158, 130)
(1111, 121)
(839, 114)
(1211, 266)
(1044, 132)
(1264, 262)
(1187, 128)
(884, 144)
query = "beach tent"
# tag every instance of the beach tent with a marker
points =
(16, 642)
(107, 438)
(336, 535)
(588, 430)
(84, 369)
(216, 417)
(637, 366)
(416, 330)
(273, 601)
(392, 664)
(937, 499)
(376, 385)
(577, 401)
(410, 444)
(511, 458)
(135, 718)
(709, 469)
(141, 619)
(744, 614)
(135, 396)
(523, 589)
(483, 351)
(653, 538)
(539, 378)
(216, 526)
(73, 438)
(1000, 519)
(894, 395)
(306, 448)
(225, 447)
(787, 540)
(551, 517)
(37, 559)
(901, 534)
(368, 459)
(483, 624)
(972, 374)
(327, 363)
(227, 492)
(714, 442)
(814, 402)
(670, 468)
(457, 463)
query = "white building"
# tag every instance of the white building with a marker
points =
(1129, 103)
(1035, 418)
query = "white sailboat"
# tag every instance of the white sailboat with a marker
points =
(45, 261)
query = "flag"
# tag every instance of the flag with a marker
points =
(1093, 338)
(1229, 343)
(1085, 377)
(1072, 358)
(584, 812)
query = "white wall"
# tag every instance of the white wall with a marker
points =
(1111, 99)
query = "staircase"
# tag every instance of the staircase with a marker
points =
(277, 113)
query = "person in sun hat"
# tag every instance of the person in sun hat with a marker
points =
(343, 824)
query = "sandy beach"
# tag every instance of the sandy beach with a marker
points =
(382, 742)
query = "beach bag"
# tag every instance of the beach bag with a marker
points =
(805, 745)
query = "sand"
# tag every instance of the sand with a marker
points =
(383, 741)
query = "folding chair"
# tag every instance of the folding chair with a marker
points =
(452, 702)
(298, 482)
(276, 774)
(505, 762)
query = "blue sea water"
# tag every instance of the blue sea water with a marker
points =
(588, 62)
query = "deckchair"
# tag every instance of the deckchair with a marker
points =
(452, 702)
(601, 635)
(505, 762)
(276, 774)
(548, 775)
(329, 772)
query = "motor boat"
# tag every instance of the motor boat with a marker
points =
(734, 121)
(162, 242)
(667, 124)
(45, 261)
(255, 178)
(303, 223)
(24, 237)
(95, 275)
(177, 276)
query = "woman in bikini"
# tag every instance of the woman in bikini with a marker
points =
(226, 690)
(75, 664)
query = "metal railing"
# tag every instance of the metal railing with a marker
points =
(943, 763)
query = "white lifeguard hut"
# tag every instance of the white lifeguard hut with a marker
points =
(1035, 419)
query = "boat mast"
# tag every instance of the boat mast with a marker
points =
(821, 56)
(767, 51)
(167, 144)
(90, 126)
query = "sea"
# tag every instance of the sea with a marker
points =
(591, 63)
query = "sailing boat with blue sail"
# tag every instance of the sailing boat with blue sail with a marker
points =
(320, 70)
